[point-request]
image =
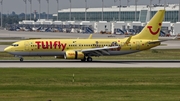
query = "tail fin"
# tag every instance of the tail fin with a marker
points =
(152, 29)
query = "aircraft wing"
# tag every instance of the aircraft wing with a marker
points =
(98, 51)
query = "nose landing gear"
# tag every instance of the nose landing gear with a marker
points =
(20, 58)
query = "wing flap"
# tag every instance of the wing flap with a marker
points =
(94, 49)
(99, 51)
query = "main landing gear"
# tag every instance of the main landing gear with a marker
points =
(21, 59)
(88, 59)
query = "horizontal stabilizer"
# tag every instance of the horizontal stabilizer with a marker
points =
(157, 41)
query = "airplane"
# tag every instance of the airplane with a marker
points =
(85, 49)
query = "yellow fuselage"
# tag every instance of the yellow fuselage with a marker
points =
(57, 47)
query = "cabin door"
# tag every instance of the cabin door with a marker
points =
(26, 47)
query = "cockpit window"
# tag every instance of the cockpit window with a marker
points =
(15, 45)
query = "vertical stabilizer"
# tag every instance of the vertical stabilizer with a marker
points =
(152, 30)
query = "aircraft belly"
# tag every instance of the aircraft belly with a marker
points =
(38, 53)
(46, 53)
(62, 53)
(20, 53)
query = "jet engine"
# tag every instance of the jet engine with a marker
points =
(74, 55)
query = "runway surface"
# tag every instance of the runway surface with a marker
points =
(94, 64)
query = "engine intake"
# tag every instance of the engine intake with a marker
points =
(73, 55)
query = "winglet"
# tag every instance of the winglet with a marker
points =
(90, 36)
(175, 37)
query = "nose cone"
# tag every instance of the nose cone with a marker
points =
(7, 49)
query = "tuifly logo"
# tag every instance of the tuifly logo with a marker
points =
(50, 45)
(152, 32)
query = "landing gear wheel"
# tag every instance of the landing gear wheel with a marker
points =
(21, 59)
(89, 59)
(83, 60)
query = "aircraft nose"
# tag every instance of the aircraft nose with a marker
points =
(7, 49)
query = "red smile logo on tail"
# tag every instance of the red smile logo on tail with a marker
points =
(156, 32)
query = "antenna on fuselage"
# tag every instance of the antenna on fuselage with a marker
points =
(90, 36)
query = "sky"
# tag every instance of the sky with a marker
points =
(19, 6)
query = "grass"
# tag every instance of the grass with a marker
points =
(132, 84)
(155, 54)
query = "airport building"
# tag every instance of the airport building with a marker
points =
(113, 20)
(140, 13)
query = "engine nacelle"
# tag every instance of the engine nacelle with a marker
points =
(59, 57)
(73, 55)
